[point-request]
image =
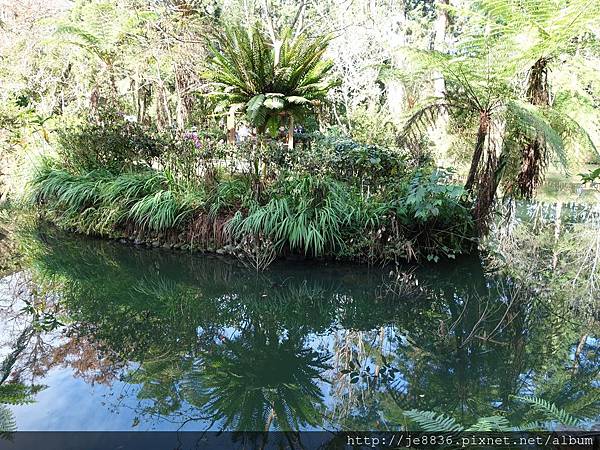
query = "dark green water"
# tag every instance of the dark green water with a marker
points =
(153, 340)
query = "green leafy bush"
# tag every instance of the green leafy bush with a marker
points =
(230, 194)
(108, 141)
(436, 214)
(431, 196)
(423, 216)
(345, 159)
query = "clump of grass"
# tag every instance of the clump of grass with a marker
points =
(71, 191)
(128, 188)
(230, 194)
(98, 202)
(307, 213)
(161, 211)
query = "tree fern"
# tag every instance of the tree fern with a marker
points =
(483, 80)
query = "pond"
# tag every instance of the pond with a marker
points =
(150, 339)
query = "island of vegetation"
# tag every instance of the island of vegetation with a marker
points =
(193, 129)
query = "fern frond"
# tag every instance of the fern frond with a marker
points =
(492, 423)
(422, 120)
(7, 421)
(432, 422)
(530, 123)
(551, 412)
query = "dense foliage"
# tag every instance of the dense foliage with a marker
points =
(377, 206)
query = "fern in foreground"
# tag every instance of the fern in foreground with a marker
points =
(549, 417)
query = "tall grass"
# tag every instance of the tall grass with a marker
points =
(230, 194)
(162, 210)
(307, 214)
(98, 202)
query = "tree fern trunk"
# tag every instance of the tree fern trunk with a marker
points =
(534, 156)
(482, 132)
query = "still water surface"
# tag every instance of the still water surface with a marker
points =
(120, 338)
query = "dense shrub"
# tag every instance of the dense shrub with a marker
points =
(373, 125)
(108, 141)
(343, 159)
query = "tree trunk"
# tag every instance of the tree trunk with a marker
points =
(557, 227)
(270, 419)
(578, 351)
(290, 141)
(439, 43)
(534, 157)
(231, 127)
(482, 132)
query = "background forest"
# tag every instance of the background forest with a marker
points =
(404, 122)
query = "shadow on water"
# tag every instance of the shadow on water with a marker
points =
(201, 342)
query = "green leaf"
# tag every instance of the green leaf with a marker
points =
(273, 126)
(274, 103)
(255, 102)
(297, 100)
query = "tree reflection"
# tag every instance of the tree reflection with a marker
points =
(208, 341)
(258, 381)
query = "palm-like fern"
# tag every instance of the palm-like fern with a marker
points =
(100, 29)
(532, 35)
(483, 86)
(257, 382)
(269, 80)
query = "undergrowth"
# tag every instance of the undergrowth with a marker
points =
(420, 216)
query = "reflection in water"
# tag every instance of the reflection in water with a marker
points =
(202, 342)
(257, 379)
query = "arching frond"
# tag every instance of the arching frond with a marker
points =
(551, 412)
(571, 131)
(529, 123)
(421, 120)
(492, 423)
(432, 422)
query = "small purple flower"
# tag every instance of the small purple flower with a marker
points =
(193, 136)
